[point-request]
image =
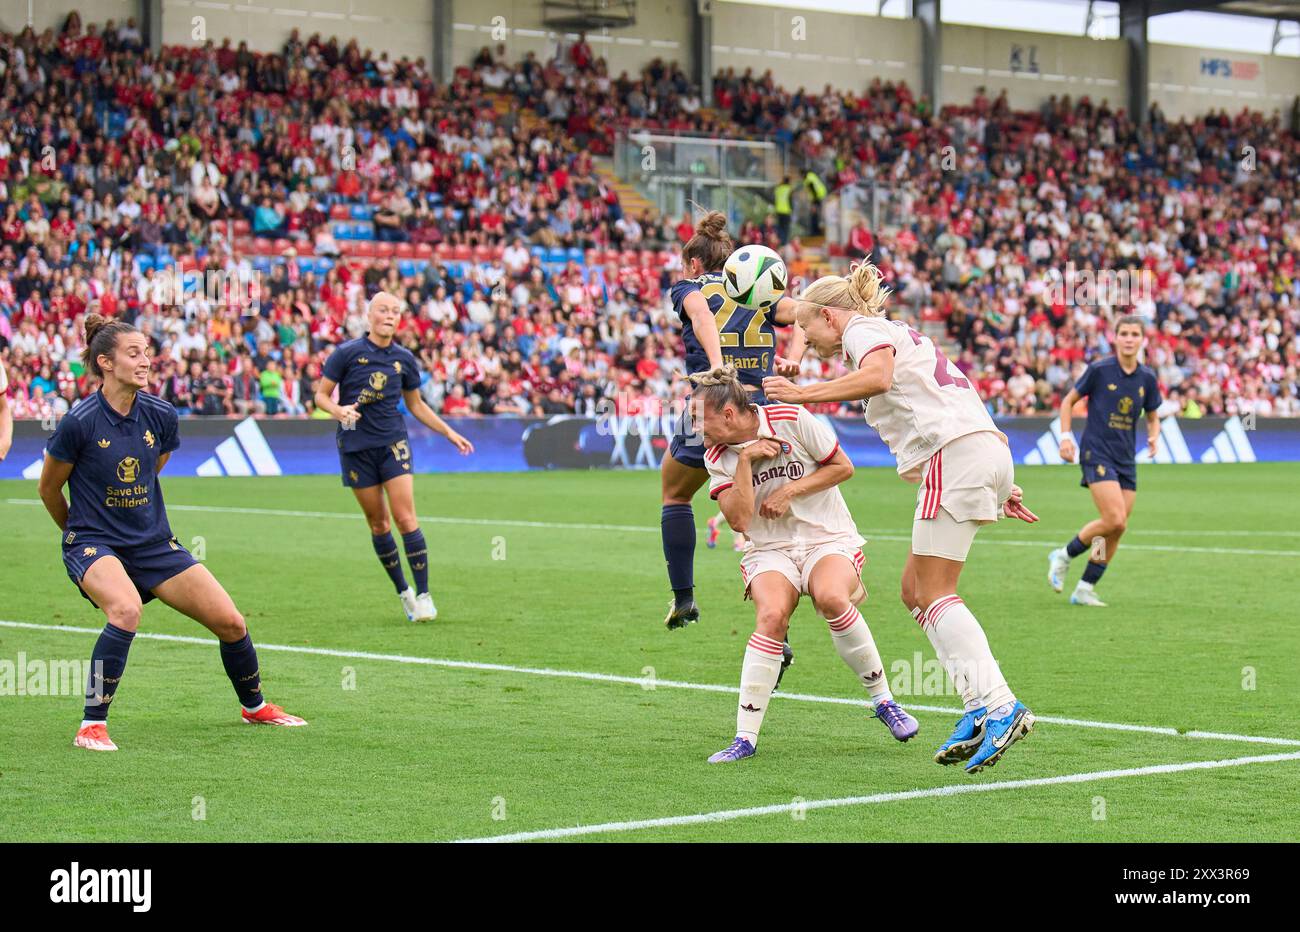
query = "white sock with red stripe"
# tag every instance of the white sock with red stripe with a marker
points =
(853, 640)
(955, 672)
(762, 665)
(964, 649)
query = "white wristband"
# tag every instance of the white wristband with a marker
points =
(1069, 435)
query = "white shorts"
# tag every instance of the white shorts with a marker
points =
(963, 486)
(796, 563)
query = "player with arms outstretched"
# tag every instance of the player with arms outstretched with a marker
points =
(118, 546)
(717, 331)
(775, 471)
(943, 437)
(372, 373)
(1117, 388)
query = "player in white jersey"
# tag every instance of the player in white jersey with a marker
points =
(774, 470)
(6, 416)
(942, 437)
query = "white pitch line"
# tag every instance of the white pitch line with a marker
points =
(646, 682)
(647, 529)
(956, 789)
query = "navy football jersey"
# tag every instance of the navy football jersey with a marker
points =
(1115, 399)
(747, 337)
(372, 378)
(113, 492)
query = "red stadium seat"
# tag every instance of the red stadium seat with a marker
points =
(241, 227)
(405, 251)
(263, 246)
(364, 247)
(497, 252)
(461, 252)
(482, 253)
(385, 250)
(340, 212)
(442, 251)
(423, 251)
(281, 245)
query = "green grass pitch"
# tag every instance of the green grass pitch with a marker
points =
(1200, 635)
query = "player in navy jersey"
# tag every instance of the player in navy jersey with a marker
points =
(1118, 389)
(118, 546)
(372, 374)
(717, 331)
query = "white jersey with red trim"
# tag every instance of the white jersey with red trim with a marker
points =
(806, 444)
(929, 404)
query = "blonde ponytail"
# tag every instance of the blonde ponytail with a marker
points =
(863, 291)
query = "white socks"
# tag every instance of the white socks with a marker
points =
(955, 671)
(762, 665)
(964, 650)
(852, 638)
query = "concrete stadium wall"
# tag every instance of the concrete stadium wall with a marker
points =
(663, 30)
(13, 13)
(1030, 66)
(399, 27)
(1189, 81)
(843, 50)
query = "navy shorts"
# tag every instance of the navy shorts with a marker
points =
(375, 465)
(687, 447)
(1098, 467)
(148, 566)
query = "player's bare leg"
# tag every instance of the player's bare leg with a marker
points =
(774, 602)
(832, 584)
(1113, 508)
(197, 594)
(107, 583)
(401, 502)
(375, 508)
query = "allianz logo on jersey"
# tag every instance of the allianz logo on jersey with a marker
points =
(245, 454)
(1230, 445)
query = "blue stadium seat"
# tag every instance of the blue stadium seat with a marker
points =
(323, 265)
(362, 212)
(557, 254)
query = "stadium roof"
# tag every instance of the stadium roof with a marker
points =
(1264, 9)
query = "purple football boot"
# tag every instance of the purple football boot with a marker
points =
(739, 750)
(901, 725)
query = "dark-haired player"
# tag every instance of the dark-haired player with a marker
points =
(117, 544)
(1118, 389)
(372, 374)
(717, 331)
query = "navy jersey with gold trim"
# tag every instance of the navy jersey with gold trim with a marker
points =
(372, 378)
(747, 335)
(1115, 400)
(113, 491)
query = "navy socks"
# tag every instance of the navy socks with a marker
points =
(386, 550)
(417, 555)
(677, 524)
(107, 661)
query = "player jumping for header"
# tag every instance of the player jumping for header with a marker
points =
(943, 437)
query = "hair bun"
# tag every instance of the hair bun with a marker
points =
(713, 225)
(93, 324)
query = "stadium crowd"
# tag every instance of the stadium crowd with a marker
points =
(302, 182)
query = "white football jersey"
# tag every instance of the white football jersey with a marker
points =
(806, 444)
(930, 402)
(4, 380)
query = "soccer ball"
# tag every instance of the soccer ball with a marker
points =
(754, 276)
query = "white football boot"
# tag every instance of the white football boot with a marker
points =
(1058, 564)
(409, 603)
(425, 610)
(1084, 594)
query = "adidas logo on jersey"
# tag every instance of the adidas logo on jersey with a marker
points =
(245, 454)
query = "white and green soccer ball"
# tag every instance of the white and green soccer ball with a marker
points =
(754, 276)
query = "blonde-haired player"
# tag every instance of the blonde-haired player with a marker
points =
(774, 470)
(943, 437)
